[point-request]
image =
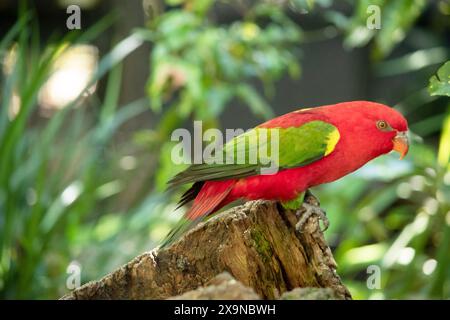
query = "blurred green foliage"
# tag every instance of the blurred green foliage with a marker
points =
(54, 176)
(65, 195)
(398, 17)
(199, 68)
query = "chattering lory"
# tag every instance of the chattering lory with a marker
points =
(315, 146)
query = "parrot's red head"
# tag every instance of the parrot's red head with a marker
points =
(375, 128)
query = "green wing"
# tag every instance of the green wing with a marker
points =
(261, 150)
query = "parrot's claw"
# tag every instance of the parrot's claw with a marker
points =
(307, 210)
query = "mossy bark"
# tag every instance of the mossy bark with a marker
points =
(256, 243)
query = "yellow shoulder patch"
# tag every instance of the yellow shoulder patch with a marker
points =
(332, 141)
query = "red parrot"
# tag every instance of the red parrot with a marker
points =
(315, 146)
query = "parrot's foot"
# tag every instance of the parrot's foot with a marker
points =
(311, 207)
(306, 212)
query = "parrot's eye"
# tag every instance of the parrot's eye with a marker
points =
(383, 125)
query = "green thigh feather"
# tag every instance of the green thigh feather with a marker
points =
(295, 203)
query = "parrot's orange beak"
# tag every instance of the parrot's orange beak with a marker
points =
(401, 144)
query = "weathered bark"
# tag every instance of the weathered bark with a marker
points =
(256, 243)
(225, 287)
(221, 287)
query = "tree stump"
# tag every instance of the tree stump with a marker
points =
(256, 243)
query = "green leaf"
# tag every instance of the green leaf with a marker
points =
(444, 144)
(440, 82)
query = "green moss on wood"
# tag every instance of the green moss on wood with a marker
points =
(261, 244)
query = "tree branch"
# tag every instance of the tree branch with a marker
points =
(256, 243)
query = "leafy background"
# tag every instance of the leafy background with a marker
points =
(84, 183)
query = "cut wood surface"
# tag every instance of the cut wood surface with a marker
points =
(256, 243)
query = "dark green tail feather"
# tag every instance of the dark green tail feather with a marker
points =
(183, 226)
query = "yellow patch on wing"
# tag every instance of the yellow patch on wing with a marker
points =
(332, 141)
